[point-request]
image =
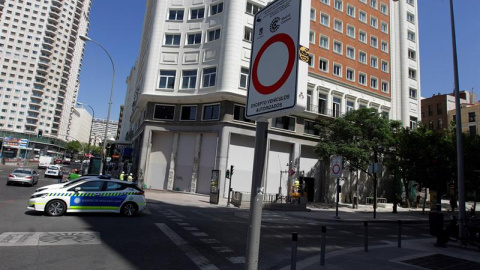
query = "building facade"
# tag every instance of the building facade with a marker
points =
(40, 56)
(81, 125)
(185, 105)
(98, 130)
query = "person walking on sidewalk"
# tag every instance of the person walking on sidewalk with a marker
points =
(130, 177)
(122, 175)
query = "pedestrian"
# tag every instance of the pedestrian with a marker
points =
(453, 203)
(60, 176)
(130, 177)
(122, 175)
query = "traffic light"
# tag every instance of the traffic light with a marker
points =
(39, 133)
(231, 169)
(227, 174)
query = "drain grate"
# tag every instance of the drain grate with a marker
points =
(444, 262)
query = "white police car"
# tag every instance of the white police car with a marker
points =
(90, 195)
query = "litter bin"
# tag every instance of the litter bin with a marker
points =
(355, 202)
(435, 222)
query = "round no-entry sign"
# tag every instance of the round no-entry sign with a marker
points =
(336, 169)
(290, 44)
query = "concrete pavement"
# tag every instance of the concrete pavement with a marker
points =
(414, 254)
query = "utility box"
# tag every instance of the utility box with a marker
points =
(94, 165)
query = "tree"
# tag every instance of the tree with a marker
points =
(74, 147)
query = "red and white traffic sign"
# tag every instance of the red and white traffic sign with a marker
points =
(336, 167)
(278, 79)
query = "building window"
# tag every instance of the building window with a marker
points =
(472, 130)
(311, 60)
(412, 54)
(362, 79)
(373, 62)
(244, 77)
(384, 87)
(323, 65)
(338, 5)
(350, 105)
(216, 8)
(248, 34)
(440, 124)
(189, 113)
(384, 66)
(411, 36)
(322, 103)
(362, 36)
(336, 105)
(410, 17)
(175, 15)
(284, 122)
(211, 112)
(439, 108)
(383, 9)
(373, 4)
(384, 47)
(384, 27)
(373, 82)
(172, 39)
(213, 35)
(413, 93)
(311, 37)
(338, 25)
(337, 70)
(471, 117)
(239, 114)
(324, 42)
(252, 9)
(373, 22)
(325, 19)
(362, 16)
(189, 79)
(351, 31)
(209, 76)
(309, 128)
(167, 79)
(313, 14)
(164, 112)
(337, 47)
(362, 57)
(373, 41)
(351, 11)
(350, 52)
(412, 74)
(326, 2)
(197, 13)
(194, 38)
(350, 74)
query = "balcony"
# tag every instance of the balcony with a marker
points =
(53, 21)
(321, 110)
(56, 119)
(34, 108)
(54, 15)
(30, 124)
(32, 116)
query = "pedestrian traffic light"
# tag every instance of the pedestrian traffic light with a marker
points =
(227, 174)
(231, 169)
(39, 133)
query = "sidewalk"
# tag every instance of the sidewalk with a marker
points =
(414, 254)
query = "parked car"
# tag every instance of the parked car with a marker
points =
(58, 161)
(53, 171)
(91, 195)
(23, 176)
(66, 161)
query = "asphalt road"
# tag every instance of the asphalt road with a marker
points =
(166, 236)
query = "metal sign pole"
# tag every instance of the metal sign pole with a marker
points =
(253, 240)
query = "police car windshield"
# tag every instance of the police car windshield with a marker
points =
(74, 181)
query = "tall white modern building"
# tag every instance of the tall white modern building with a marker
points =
(40, 58)
(185, 103)
(98, 130)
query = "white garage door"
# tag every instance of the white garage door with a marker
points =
(159, 160)
(278, 158)
(240, 155)
(184, 162)
(207, 162)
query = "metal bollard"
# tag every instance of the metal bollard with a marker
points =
(365, 225)
(322, 250)
(293, 264)
(399, 233)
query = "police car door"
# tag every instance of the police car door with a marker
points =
(87, 196)
(114, 195)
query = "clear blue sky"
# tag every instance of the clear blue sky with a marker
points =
(117, 25)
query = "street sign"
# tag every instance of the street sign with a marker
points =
(23, 143)
(336, 167)
(278, 71)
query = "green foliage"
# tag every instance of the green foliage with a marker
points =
(74, 147)
(95, 149)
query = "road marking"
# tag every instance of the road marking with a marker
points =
(236, 259)
(173, 212)
(184, 224)
(199, 234)
(49, 238)
(197, 258)
(222, 249)
(177, 220)
(210, 241)
(190, 228)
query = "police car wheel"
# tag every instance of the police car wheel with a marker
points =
(129, 209)
(55, 208)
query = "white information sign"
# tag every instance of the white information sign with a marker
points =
(336, 167)
(279, 63)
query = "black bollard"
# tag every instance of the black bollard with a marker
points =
(293, 264)
(322, 250)
(399, 233)
(365, 225)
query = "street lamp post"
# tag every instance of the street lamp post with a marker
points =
(91, 124)
(85, 39)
